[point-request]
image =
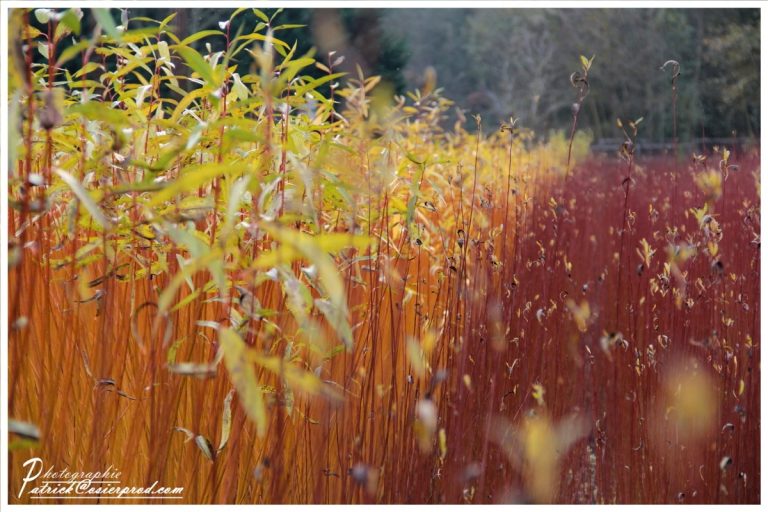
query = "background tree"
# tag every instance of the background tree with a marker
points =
(516, 62)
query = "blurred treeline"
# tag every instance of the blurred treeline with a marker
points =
(517, 62)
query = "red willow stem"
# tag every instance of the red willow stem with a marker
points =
(506, 200)
(572, 136)
(675, 146)
(583, 90)
(26, 170)
(628, 181)
(219, 155)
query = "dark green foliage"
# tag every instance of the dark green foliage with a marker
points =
(382, 53)
(502, 62)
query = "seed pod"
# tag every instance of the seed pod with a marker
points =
(460, 237)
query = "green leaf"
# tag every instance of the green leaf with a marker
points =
(238, 11)
(262, 37)
(42, 49)
(338, 349)
(197, 245)
(104, 18)
(71, 21)
(314, 84)
(71, 51)
(261, 15)
(275, 14)
(195, 61)
(133, 63)
(243, 377)
(85, 198)
(167, 20)
(288, 26)
(43, 16)
(233, 204)
(192, 241)
(97, 111)
(186, 300)
(89, 67)
(200, 35)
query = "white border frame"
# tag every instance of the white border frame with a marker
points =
(573, 4)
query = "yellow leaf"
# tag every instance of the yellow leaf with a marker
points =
(315, 249)
(185, 102)
(243, 377)
(428, 342)
(415, 356)
(281, 255)
(581, 313)
(443, 442)
(540, 452)
(205, 446)
(226, 420)
(164, 302)
(194, 177)
(303, 380)
(85, 198)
